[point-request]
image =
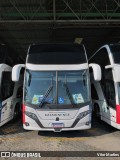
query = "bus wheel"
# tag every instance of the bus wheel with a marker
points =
(96, 110)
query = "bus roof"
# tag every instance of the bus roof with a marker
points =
(57, 54)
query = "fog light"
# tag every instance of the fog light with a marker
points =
(87, 123)
(27, 124)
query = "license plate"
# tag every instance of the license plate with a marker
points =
(57, 125)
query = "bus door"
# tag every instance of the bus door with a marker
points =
(109, 104)
(6, 109)
(7, 87)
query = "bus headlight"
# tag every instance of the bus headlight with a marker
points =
(31, 115)
(83, 114)
(34, 117)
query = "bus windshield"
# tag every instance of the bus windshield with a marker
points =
(115, 49)
(44, 88)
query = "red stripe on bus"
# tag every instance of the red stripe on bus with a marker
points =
(118, 114)
(23, 113)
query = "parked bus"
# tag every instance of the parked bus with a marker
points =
(106, 93)
(10, 95)
(56, 87)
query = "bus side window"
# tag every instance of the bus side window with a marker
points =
(109, 89)
(7, 85)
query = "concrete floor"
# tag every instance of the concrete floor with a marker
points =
(101, 137)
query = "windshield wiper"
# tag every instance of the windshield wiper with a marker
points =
(45, 96)
(69, 95)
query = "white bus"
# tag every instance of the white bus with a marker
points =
(106, 93)
(10, 95)
(56, 87)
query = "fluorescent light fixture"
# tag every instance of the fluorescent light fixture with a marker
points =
(78, 40)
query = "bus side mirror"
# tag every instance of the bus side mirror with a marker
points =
(16, 72)
(96, 71)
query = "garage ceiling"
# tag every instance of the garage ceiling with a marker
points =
(24, 22)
